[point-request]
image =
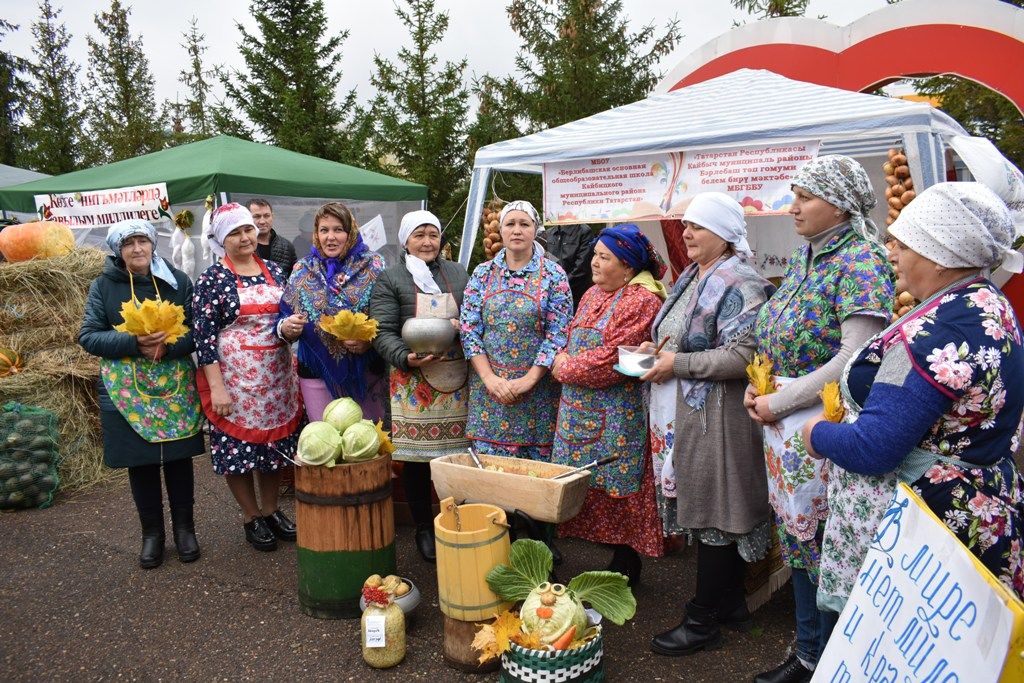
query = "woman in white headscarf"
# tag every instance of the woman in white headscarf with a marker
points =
(713, 481)
(935, 400)
(149, 408)
(248, 384)
(428, 393)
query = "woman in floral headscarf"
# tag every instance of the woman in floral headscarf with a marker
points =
(935, 400)
(338, 275)
(837, 292)
(149, 408)
(601, 412)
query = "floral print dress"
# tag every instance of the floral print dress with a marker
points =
(799, 331)
(216, 306)
(960, 356)
(519, 319)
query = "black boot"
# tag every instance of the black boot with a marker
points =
(790, 671)
(425, 542)
(699, 631)
(733, 613)
(184, 534)
(152, 554)
(627, 562)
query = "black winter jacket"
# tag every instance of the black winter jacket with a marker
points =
(394, 301)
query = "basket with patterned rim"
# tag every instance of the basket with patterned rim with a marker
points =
(581, 665)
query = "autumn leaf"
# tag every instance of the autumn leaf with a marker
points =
(153, 316)
(760, 372)
(833, 403)
(348, 325)
(493, 639)
(386, 447)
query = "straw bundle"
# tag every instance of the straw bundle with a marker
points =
(41, 306)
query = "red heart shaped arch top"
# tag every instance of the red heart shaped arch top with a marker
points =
(982, 40)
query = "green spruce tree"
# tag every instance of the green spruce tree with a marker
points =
(13, 92)
(292, 72)
(197, 81)
(53, 132)
(580, 58)
(121, 104)
(421, 109)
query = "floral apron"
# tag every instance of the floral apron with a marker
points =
(797, 483)
(157, 398)
(858, 501)
(595, 423)
(259, 369)
(514, 332)
(429, 405)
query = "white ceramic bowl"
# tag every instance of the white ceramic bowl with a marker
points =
(629, 360)
(407, 602)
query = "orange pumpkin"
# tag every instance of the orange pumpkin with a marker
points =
(10, 362)
(39, 239)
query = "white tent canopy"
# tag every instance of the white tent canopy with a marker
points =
(745, 107)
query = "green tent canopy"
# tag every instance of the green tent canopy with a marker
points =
(223, 164)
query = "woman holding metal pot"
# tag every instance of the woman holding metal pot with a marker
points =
(429, 396)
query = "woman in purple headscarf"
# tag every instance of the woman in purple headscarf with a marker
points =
(601, 411)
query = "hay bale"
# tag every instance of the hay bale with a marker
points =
(47, 292)
(40, 315)
(63, 381)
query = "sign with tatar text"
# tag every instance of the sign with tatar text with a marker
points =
(100, 208)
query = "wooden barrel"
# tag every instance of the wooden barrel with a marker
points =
(458, 646)
(346, 532)
(471, 540)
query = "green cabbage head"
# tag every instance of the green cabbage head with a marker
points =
(342, 413)
(567, 611)
(360, 442)
(319, 443)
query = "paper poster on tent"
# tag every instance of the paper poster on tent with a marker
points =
(100, 208)
(924, 609)
(656, 186)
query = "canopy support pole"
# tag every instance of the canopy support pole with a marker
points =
(474, 207)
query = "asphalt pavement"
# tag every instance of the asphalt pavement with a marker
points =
(75, 606)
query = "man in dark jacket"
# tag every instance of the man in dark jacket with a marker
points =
(269, 245)
(572, 247)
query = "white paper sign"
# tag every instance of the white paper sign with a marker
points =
(656, 186)
(373, 233)
(375, 630)
(922, 608)
(99, 208)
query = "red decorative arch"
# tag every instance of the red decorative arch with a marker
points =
(982, 40)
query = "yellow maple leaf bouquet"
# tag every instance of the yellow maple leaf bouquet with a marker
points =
(833, 402)
(759, 372)
(153, 316)
(348, 325)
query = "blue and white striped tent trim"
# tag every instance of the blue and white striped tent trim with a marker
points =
(747, 106)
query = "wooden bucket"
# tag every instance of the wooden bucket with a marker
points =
(458, 646)
(346, 532)
(471, 540)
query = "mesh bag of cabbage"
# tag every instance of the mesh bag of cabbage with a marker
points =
(28, 456)
(581, 665)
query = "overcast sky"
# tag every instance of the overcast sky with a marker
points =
(478, 31)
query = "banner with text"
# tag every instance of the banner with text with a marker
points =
(656, 186)
(100, 208)
(923, 609)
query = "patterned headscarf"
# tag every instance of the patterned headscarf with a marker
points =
(119, 232)
(722, 215)
(225, 219)
(959, 225)
(524, 206)
(843, 183)
(633, 248)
